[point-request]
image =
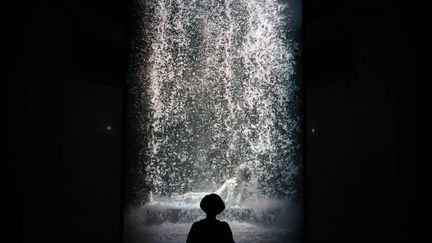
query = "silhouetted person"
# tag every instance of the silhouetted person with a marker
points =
(210, 229)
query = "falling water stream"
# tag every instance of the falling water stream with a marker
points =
(214, 85)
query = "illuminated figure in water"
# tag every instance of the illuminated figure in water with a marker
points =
(234, 190)
(237, 189)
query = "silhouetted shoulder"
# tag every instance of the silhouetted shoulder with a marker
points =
(224, 224)
(227, 233)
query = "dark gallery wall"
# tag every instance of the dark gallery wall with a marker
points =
(362, 122)
(63, 113)
(358, 120)
(65, 118)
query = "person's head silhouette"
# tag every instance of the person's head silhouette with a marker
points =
(212, 205)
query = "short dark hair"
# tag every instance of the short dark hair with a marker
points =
(212, 204)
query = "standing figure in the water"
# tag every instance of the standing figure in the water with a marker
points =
(210, 229)
(235, 190)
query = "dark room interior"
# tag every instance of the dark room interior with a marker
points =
(65, 106)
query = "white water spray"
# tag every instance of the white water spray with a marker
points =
(215, 86)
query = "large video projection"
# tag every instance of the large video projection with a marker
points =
(214, 105)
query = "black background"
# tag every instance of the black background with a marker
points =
(63, 109)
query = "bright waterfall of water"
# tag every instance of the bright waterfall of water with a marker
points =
(214, 86)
